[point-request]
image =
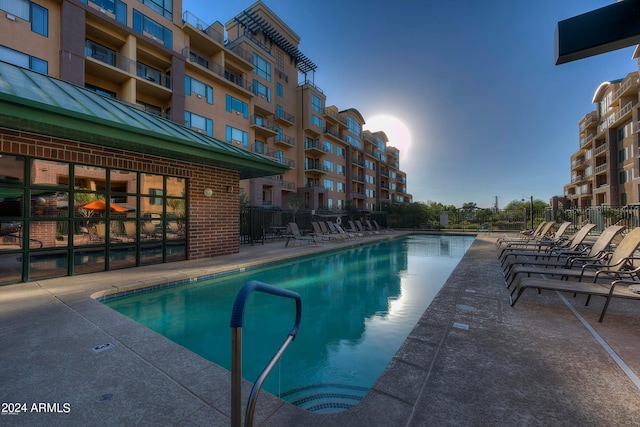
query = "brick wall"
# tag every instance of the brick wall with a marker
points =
(213, 227)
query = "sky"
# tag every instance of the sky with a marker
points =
(472, 83)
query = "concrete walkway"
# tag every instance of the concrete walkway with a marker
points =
(471, 359)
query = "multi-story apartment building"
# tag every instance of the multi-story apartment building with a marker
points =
(605, 168)
(224, 107)
(238, 83)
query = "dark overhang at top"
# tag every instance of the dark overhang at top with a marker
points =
(37, 103)
(602, 30)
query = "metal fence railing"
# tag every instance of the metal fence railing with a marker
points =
(258, 223)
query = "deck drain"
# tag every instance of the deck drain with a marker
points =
(461, 326)
(105, 397)
(103, 347)
(471, 291)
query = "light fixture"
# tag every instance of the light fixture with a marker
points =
(208, 192)
(229, 188)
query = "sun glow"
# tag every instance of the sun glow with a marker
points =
(397, 132)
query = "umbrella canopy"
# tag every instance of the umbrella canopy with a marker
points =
(101, 205)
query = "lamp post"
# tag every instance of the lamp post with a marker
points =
(531, 209)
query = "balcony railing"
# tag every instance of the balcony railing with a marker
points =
(190, 18)
(110, 57)
(218, 69)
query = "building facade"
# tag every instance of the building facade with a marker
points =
(605, 170)
(245, 83)
(140, 129)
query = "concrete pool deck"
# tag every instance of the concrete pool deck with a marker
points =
(471, 359)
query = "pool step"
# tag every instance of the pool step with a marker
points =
(325, 398)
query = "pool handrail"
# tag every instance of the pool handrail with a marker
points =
(237, 321)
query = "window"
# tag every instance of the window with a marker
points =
(328, 147)
(262, 90)
(198, 59)
(354, 126)
(622, 155)
(316, 104)
(234, 104)
(340, 169)
(316, 121)
(19, 8)
(200, 89)
(623, 177)
(279, 89)
(259, 147)
(163, 7)
(261, 67)
(156, 196)
(199, 123)
(144, 24)
(237, 136)
(340, 187)
(23, 60)
(39, 20)
(328, 184)
(353, 141)
(100, 91)
(340, 152)
(328, 166)
(623, 199)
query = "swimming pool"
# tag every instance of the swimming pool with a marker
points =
(358, 306)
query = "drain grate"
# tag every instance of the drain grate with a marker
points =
(103, 347)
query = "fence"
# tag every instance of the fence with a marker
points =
(258, 223)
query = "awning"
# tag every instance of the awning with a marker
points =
(37, 103)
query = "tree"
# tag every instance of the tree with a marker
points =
(294, 203)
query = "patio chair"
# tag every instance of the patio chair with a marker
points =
(596, 254)
(371, 228)
(545, 247)
(338, 229)
(296, 236)
(540, 231)
(575, 246)
(360, 228)
(620, 264)
(323, 232)
(377, 227)
(556, 238)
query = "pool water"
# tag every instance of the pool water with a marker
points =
(358, 306)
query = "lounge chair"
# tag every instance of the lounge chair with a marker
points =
(540, 233)
(523, 237)
(557, 238)
(626, 289)
(545, 249)
(361, 228)
(371, 228)
(323, 232)
(558, 254)
(377, 226)
(296, 236)
(620, 265)
(596, 254)
(338, 228)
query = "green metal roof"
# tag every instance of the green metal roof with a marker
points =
(33, 102)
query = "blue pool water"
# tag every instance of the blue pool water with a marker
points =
(358, 306)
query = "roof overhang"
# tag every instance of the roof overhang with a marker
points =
(602, 30)
(40, 104)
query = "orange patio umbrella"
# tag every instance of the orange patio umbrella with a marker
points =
(101, 205)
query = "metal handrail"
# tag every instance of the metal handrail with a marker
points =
(237, 320)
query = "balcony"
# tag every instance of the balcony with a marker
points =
(331, 114)
(313, 167)
(283, 117)
(224, 74)
(110, 65)
(263, 126)
(334, 132)
(285, 140)
(601, 168)
(628, 87)
(600, 149)
(586, 140)
(313, 146)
